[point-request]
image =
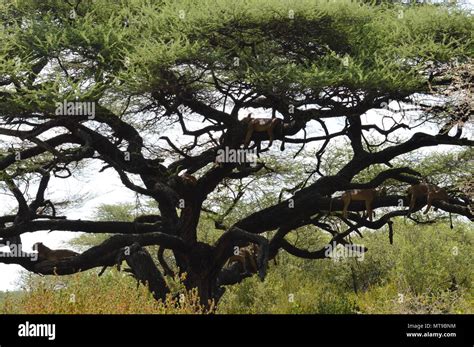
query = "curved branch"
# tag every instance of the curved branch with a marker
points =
(163, 263)
(297, 252)
(238, 237)
(105, 254)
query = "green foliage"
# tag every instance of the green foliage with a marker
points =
(287, 45)
(290, 46)
(114, 292)
(447, 168)
(414, 275)
(286, 290)
(426, 270)
(107, 212)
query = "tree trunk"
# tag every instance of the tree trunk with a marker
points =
(201, 274)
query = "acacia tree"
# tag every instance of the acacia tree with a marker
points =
(103, 81)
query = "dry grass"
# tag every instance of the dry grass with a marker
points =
(86, 293)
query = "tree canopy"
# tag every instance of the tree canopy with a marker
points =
(152, 90)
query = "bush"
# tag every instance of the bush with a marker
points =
(427, 270)
(86, 293)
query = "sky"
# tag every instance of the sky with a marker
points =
(105, 188)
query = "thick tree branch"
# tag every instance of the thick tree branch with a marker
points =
(105, 254)
(82, 226)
